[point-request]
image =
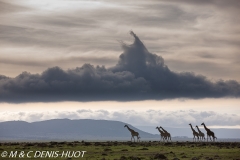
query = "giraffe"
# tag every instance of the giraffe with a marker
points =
(162, 134)
(168, 134)
(201, 134)
(194, 133)
(209, 133)
(133, 133)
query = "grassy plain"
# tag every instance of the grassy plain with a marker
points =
(114, 150)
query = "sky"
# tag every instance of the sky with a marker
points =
(146, 63)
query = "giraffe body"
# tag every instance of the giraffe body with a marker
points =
(195, 134)
(167, 133)
(163, 135)
(133, 134)
(209, 133)
(201, 134)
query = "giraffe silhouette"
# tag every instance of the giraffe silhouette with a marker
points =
(167, 133)
(209, 133)
(163, 134)
(201, 134)
(195, 134)
(133, 133)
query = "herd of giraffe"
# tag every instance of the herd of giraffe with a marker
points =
(200, 135)
(166, 136)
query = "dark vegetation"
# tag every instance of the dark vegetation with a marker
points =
(148, 150)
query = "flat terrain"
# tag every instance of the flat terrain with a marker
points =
(114, 150)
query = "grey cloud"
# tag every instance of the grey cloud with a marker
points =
(138, 75)
(47, 39)
(107, 60)
(66, 21)
(206, 55)
(213, 67)
(28, 36)
(220, 3)
(6, 7)
(215, 40)
(148, 15)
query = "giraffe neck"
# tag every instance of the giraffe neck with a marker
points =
(129, 129)
(198, 129)
(164, 130)
(159, 130)
(205, 127)
(192, 128)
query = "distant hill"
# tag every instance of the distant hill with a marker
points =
(87, 129)
(65, 129)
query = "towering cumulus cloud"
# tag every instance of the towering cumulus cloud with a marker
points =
(138, 75)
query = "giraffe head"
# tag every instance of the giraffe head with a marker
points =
(190, 124)
(202, 124)
(125, 125)
(157, 127)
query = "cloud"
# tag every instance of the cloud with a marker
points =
(178, 118)
(6, 8)
(138, 75)
(44, 31)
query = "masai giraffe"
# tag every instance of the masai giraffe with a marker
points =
(162, 134)
(168, 134)
(133, 133)
(201, 134)
(194, 133)
(209, 133)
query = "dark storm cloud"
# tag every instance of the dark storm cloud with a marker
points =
(138, 75)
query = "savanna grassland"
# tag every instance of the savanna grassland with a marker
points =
(114, 150)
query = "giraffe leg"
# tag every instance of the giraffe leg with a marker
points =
(210, 138)
(132, 138)
(213, 138)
